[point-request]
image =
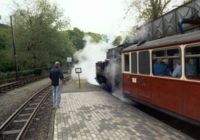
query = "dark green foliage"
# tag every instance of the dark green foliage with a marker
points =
(117, 41)
(6, 61)
(77, 38)
(4, 36)
(39, 40)
(95, 37)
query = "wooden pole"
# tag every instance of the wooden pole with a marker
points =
(14, 49)
(79, 80)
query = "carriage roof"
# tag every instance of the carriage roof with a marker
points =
(167, 41)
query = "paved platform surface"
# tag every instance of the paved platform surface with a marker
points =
(97, 115)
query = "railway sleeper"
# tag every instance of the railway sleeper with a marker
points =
(33, 104)
(11, 132)
(20, 121)
(24, 115)
(29, 108)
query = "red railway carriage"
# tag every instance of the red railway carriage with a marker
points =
(176, 94)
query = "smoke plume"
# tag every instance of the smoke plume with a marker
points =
(87, 58)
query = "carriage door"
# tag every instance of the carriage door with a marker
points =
(143, 82)
(134, 71)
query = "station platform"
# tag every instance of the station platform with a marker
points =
(98, 115)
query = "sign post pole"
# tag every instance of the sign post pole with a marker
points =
(78, 71)
(79, 81)
(69, 64)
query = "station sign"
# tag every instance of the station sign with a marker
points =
(78, 70)
(69, 59)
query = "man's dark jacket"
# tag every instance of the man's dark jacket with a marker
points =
(54, 75)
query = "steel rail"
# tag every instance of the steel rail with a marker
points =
(25, 127)
(21, 108)
(42, 94)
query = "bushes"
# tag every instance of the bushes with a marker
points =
(11, 75)
(38, 71)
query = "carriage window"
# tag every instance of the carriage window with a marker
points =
(126, 63)
(144, 62)
(167, 62)
(192, 62)
(134, 62)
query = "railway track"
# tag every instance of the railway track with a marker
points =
(18, 123)
(15, 84)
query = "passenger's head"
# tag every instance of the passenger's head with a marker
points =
(57, 64)
(189, 61)
(165, 60)
(158, 60)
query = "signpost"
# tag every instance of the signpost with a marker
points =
(69, 59)
(78, 71)
(69, 64)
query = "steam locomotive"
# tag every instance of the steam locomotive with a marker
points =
(108, 72)
(176, 37)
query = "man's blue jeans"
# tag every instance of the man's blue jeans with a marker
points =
(56, 96)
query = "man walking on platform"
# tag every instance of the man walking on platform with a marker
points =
(55, 75)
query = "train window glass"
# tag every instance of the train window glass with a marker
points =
(144, 62)
(126, 62)
(134, 62)
(167, 63)
(192, 62)
(159, 53)
(172, 52)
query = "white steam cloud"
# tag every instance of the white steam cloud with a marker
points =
(87, 58)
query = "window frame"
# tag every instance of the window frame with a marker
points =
(134, 52)
(138, 61)
(123, 64)
(190, 46)
(169, 57)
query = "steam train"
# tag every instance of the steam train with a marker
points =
(178, 95)
(108, 72)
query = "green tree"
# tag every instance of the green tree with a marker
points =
(149, 9)
(77, 38)
(6, 52)
(95, 37)
(39, 39)
(4, 36)
(117, 41)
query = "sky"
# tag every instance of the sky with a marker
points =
(102, 16)
(99, 16)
